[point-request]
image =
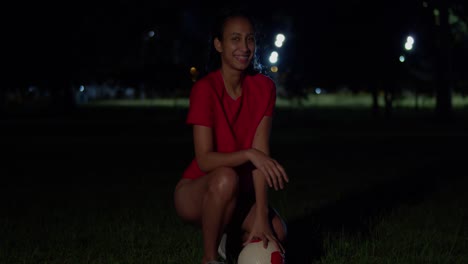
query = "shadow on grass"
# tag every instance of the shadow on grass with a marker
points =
(352, 215)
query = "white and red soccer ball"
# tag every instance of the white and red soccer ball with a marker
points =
(255, 253)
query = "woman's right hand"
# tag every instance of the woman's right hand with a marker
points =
(275, 175)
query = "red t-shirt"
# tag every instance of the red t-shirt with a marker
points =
(234, 121)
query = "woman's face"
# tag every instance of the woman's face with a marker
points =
(237, 47)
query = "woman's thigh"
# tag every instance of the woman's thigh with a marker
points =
(188, 198)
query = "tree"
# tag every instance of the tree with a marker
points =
(444, 82)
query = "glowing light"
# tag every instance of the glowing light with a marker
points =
(410, 40)
(318, 90)
(151, 33)
(194, 73)
(409, 43)
(402, 58)
(280, 38)
(274, 69)
(273, 57)
(408, 46)
(81, 88)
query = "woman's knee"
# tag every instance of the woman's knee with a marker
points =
(224, 183)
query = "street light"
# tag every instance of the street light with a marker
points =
(408, 46)
(280, 38)
(409, 43)
(273, 57)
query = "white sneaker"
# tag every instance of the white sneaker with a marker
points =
(222, 246)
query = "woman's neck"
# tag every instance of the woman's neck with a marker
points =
(233, 82)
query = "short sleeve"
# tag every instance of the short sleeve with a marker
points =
(200, 106)
(271, 102)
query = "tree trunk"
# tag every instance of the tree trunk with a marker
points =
(2, 103)
(443, 78)
(388, 98)
(375, 100)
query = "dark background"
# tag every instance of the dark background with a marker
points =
(330, 43)
(96, 162)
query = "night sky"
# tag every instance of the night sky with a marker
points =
(330, 42)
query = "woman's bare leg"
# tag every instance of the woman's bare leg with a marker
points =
(277, 223)
(208, 201)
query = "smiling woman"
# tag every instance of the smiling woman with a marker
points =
(217, 31)
(224, 189)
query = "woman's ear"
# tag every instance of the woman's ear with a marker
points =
(217, 45)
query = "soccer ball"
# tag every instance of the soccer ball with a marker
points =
(255, 253)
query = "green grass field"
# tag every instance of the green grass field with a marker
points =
(332, 100)
(96, 187)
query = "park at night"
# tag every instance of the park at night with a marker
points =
(370, 122)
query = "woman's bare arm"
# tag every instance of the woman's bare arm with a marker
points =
(274, 173)
(208, 159)
(261, 177)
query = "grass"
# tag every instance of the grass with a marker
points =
(96, 187)
(358, 100)
(431, 232)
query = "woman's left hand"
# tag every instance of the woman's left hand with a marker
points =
(274, 173)
(261, 230)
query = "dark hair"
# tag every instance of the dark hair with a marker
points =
(217, 30)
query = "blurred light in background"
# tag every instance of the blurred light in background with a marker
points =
(194, 73)
(273, 57)
(402, 58)
(280, 38)
(409, 43)
(437, 16)
(150, 34)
